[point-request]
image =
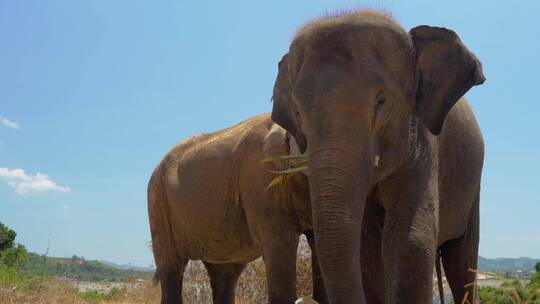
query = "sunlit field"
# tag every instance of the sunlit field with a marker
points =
(251, 287)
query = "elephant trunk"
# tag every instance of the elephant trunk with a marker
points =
(340, 177)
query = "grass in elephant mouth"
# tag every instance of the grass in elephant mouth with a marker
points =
(295, 165)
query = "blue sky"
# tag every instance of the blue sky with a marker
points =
(93, 93)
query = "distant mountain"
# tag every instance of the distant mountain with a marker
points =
(128, 267)
(506, 264)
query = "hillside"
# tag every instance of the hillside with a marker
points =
(506, 264)
(79, 268)
(128, 267)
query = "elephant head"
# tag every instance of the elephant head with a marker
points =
(346, 91)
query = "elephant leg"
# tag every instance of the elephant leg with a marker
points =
(410, 229)
(319, 292)
(373, 275)
(223, 278)
(279, 254)
(409, 245)
(409, 258)
(171, 284)
(460, 258)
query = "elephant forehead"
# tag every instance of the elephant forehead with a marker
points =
(358, 47)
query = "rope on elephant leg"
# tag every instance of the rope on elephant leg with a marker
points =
(439, 276)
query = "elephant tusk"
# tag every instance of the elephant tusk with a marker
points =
(305, 300)
(377, 158)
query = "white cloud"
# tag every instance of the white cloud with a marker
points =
(66, 207)
(8, 123)
(25, 183)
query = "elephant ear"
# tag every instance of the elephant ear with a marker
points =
(445, 70)
(284, 111)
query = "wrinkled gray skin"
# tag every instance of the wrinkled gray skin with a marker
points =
(207, 201)
(357, 87)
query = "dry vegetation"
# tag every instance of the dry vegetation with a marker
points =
(251, 287)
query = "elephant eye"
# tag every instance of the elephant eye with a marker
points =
(379, 100)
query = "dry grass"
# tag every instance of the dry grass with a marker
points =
(251, 287)
(51, 292)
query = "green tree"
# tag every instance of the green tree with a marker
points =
(75, 260)
(14, 257)
(537, 267)
(7, 237)
(10, 255)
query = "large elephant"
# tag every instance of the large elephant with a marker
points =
(207, 200)
(391, 142)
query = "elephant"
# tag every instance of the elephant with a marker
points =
(395, 154)
(208, 199)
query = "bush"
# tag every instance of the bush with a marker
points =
(14, 279)
(114, 294)
(92, 297)
(512, 292)
(490, 295)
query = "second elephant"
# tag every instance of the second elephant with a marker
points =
(207, 201)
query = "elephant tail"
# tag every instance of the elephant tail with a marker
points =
(163, 243)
